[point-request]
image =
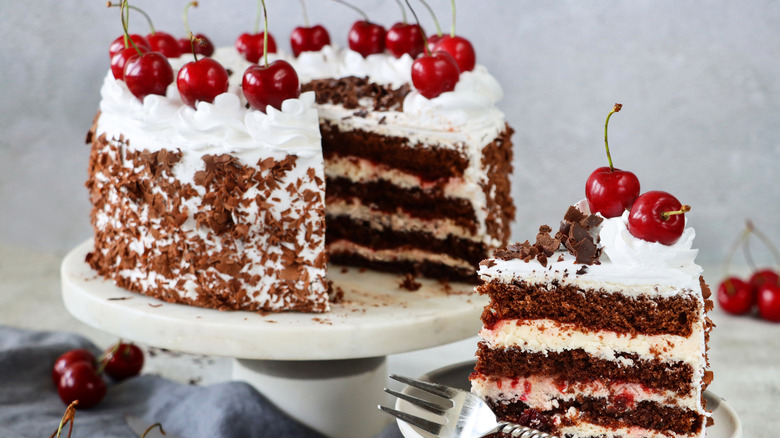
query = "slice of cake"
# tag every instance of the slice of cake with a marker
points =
(216, 206)
(414, 185)
(604, 339)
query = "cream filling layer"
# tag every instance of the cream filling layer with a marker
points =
(399, 221)
(583, 429)
(397, 255)
(543, 393)
(548, 335)
(360, 170)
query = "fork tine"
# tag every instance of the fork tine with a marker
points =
(426, 425)
(424, 404)
(433, 388)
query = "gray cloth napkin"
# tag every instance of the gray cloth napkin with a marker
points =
(30, 406)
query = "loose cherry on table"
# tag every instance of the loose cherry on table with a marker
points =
(657, 216)
(270, 85)
(81, 382)
(201, 46)
(124, 360)
(735, 296)
(460, 49)
(201, 81)
(764, 276)
(611, 191)
(366, 38)
(149, 73)
(308, 39)
(769, 302)
(251, 45)
(435, 74)
(69, 358)
(165, 43)
(404, 38)
(118, 44)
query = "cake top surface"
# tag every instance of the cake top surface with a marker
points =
(225, 126)
(615, 258)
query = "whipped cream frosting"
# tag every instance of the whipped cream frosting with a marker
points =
(224, 126)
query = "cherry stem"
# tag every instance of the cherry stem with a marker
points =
(305, 14)
(137, 9)
(684, 209)
(265, 33)
(452, 29)
(435, 20)
(425, 40)
(354, 8)
(124, 11)
(67, 417)
(775, 255)
(403, 10)
(615, 109)
(737, 242)
(149, 429)
(186, 20)
(105, 357)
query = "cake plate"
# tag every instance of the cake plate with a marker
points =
(326, 370)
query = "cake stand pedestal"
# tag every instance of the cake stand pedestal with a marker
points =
(325, 370)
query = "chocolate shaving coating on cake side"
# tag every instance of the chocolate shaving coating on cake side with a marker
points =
(350, 90)
(574, 235)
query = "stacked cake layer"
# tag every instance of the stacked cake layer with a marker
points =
(413, 185)
(613, 349)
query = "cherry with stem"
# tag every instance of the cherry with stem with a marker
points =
(145, 73)
(434, 72)
(252, 46)
(201, 80)
(403, 38)
(364, 37)
(162, 42)
(270, 84)
(459, 47)
(308, 38)
(611, 191)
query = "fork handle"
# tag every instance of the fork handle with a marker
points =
(518, 431)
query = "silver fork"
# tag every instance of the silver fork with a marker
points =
(467, 415)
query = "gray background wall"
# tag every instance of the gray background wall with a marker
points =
(698, 80)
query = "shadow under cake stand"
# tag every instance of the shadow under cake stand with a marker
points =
(326, 370)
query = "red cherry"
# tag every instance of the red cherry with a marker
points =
(434, 74)
(611, 192)
(123, 361)
(251, 46)
(147, 74)
(119, 60)
(119, 44)
(69, 358)
(366, 38)
(735, 296)
(769, 302)
(81, 382)
(433, 40)
(308, 39)
(405, 38)
(270, 85)
(201, 81)
(203, 45)
(764, 276)
(650, 218)
(164, 43)
(460, 48)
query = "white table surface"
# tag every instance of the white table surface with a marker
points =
(744, 351)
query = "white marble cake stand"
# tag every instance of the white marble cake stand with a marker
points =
(326, 370)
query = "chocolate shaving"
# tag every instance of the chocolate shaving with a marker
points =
(408, 282)
(582, 270)
(351, 90)
(575, 234)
